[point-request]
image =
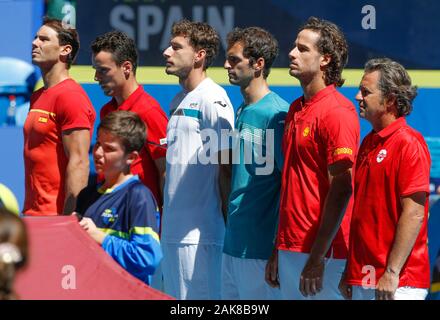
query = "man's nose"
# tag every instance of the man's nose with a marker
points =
(167, 52)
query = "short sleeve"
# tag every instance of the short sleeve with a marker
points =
(340, 132)
(217, 115)
(415, 163)
(73, 110)
(156, 122)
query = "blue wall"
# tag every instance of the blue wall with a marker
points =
(422, 119)
(405, 30)
(19, 21)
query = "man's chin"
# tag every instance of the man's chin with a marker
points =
(35, 62)
(169, 71)
(233, 81)
(108, 92)
(293, 73)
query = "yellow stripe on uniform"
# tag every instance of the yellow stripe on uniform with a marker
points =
(111, 232)
(144, 231)
(134, 230)
(44, 112)
(101, 190)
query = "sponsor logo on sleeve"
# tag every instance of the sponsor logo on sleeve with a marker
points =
(339, 151)
(224, 105)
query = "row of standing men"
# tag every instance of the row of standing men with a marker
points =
(292, 208)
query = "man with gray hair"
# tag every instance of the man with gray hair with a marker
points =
(388, 236)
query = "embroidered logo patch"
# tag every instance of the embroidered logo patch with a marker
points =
(42, 119)
(339, 151)
(109, 216)
(381, 155)
(306, 132)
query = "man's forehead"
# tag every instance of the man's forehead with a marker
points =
(308, 36)
(46, 31)
(235, 48)
(103, 56)
(370, 80)
(371, 77)
(180, 38)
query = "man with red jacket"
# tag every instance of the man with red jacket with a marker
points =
(321, 137)
(388, 257)
(115, 61)
(58, 127)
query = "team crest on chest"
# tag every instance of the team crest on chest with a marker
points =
(306, 132)
(381, 155)
(109, 216)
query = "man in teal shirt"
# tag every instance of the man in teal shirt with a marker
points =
(256, 166)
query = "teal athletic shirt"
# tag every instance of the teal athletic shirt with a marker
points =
(255, 189)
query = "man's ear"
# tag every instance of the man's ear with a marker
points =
(65, 51)
(390, 103)
(259, 64)
(127, 68)
(200, 55)
(131, 157)
(325, 60)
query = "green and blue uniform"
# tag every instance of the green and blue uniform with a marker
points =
(128, 214)
(254, 198)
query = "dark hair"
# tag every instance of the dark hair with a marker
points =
(394, 82)
(13, 251)
(257, 43)
(331, 42)
(120, 45)
(201, 36)
(66, 36)
(127, 126)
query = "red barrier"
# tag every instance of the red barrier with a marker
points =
(66, 264)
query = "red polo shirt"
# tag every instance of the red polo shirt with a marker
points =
(317, 134)
(62, 107)
(156, 121)
(392, 164)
